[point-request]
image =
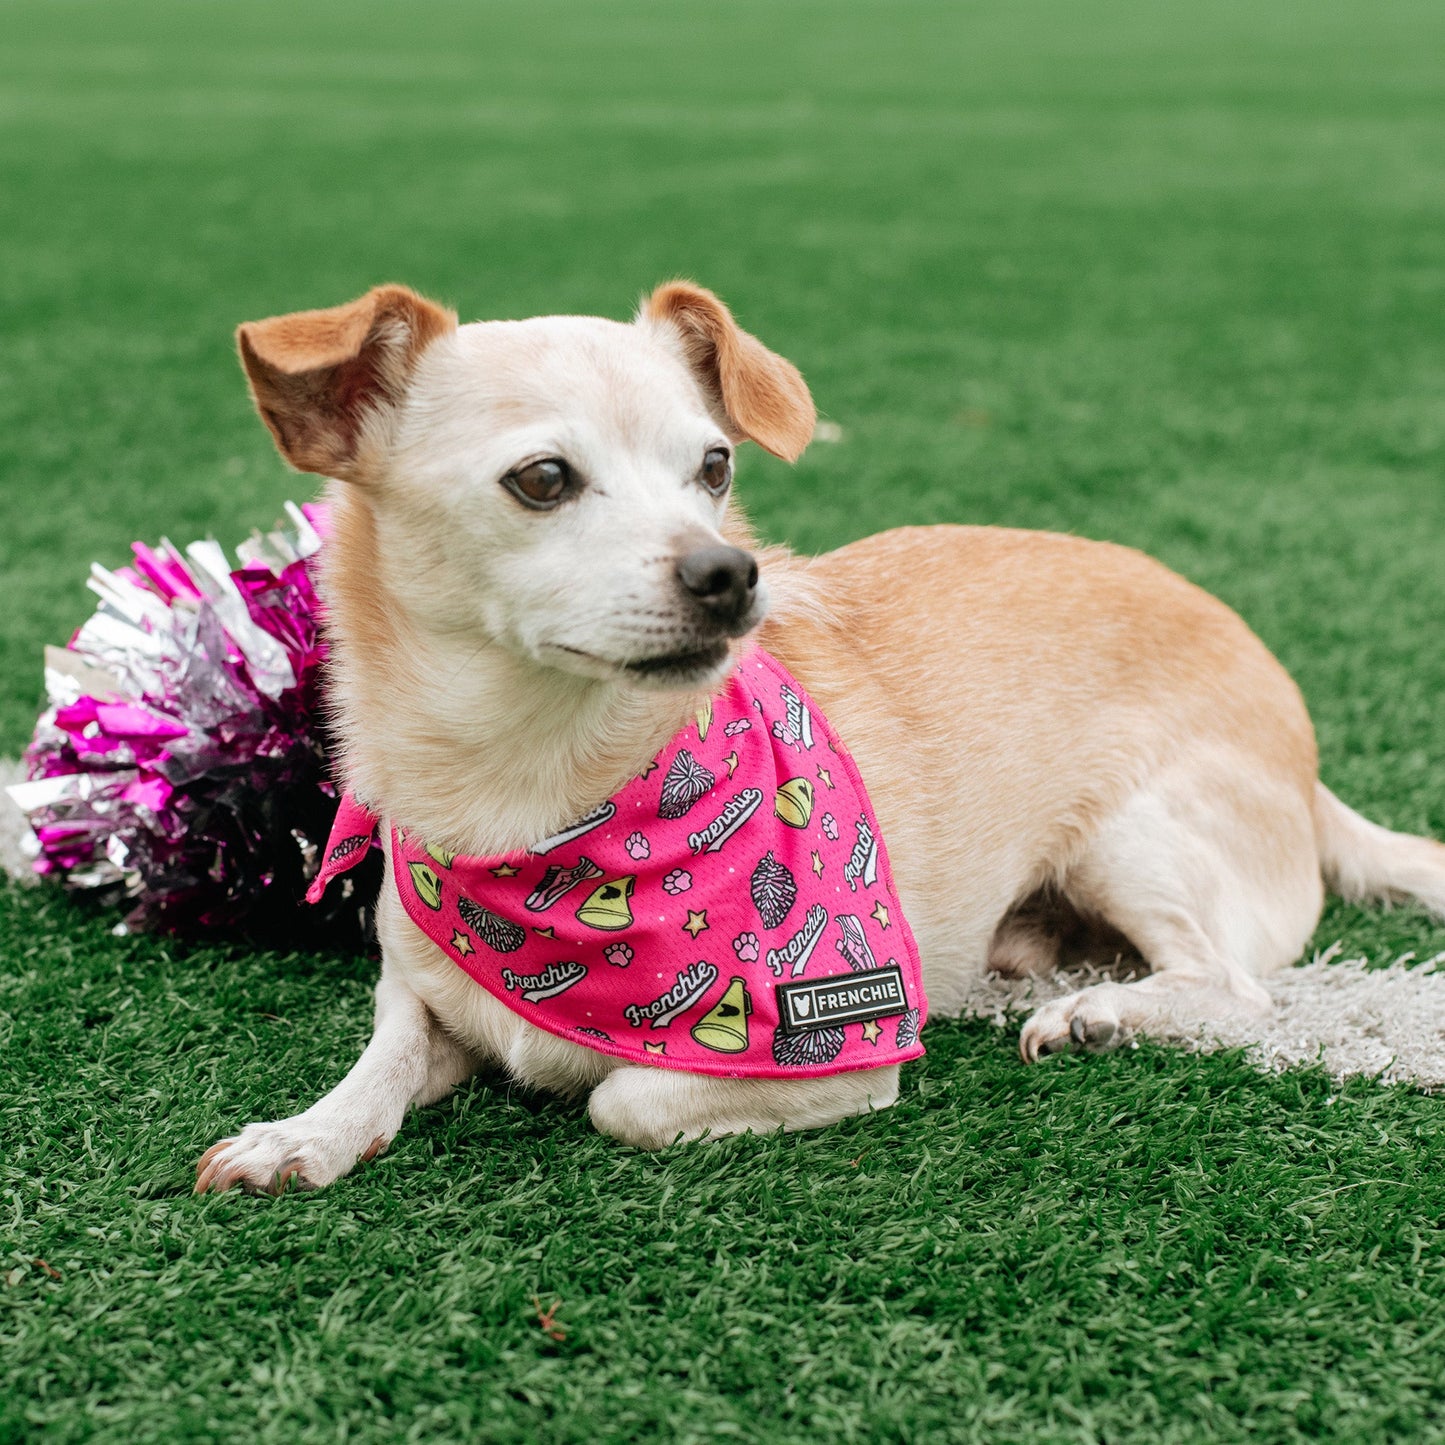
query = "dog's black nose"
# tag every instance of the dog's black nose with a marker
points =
(722, 580)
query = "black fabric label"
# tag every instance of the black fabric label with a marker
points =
(845, 998)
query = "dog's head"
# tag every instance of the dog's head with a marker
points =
(558, 486)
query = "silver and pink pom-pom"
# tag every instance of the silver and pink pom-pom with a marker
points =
(181, 768)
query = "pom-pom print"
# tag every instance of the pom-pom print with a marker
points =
(500, 934)
(774, 891)
(908, 1028)
(684, 783)
(814, 1046)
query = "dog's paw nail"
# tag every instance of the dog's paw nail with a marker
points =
(210, 1167)
(1093, 1034)
(292, 1175)
(1053, 1046)
(1034, 1043)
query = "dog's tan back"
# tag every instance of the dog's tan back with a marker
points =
(1008, 693)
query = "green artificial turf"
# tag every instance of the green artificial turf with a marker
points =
(1172, 275)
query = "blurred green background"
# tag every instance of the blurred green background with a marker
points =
(1170, 275)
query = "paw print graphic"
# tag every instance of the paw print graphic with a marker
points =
(678, 881)
(830, 827)
(745, 945)
(618, 954)
(785, 734)
(638, 847)
(736, 726)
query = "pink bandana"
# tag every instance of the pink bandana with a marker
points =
(730, 911)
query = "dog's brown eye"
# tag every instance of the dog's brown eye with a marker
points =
(542, 484)
(717, 471)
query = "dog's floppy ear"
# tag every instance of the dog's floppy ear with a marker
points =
(759, 395)
(318, 376)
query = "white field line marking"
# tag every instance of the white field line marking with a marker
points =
(1383, 1023)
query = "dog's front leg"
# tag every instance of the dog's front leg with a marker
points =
(410, 1060)
(655, 1107)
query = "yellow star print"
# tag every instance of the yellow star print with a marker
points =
(696, 922)
(871, 1032)
(461, 942)
(504, 870)
(817, 863)
(880, 914)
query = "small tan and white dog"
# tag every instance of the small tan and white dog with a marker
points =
(536, 571)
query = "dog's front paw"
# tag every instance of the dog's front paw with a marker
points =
(291, 1153)
(1086, 1019)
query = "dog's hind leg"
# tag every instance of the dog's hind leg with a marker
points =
(410, 1060)
(1212, 874)
(1028, 943)
(651, 1108)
